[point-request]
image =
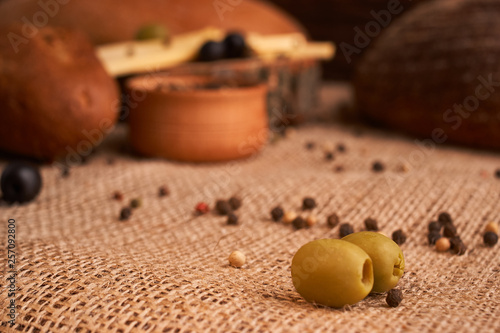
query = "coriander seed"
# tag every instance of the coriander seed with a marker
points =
(394, 297)
(223, 207)
(232, 219)
(235, 203)
(490, 238)
(289, 217)
(308, 203)
(345, 229)
(125, 213)
(277, 214)
(399, 237)
(492, 226)
(237, 259)
(443, 244)
(433, 236)
(311, 220)
(333, 220)
(371, 224)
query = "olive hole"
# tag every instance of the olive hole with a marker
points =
(367, 272)
(397, 271)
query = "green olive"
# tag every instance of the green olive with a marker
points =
(387, 257)
(332, 272)
(153, 31)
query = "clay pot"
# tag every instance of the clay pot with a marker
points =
(196, 119)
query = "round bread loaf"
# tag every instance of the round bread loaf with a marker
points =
(56, 99)
(434, 73)
(118, 20)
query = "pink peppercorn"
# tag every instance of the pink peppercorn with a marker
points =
(202, 208)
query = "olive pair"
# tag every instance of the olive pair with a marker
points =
(338, 272)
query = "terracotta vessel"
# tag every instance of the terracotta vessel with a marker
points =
(197, 119)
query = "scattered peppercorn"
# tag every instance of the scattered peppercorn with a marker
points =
(232, 219)
(399, 237)
(341, 147)
(65, 172)
(445, 218)
(235, 203)
(457, 246)
(333, 220)
(125, 213)
(310, 145)
(223, 207)
(308, 203)
(490, 238)
(449, 231)
(289, 217)
(443, 244)
(163, 191)
(434, 226)
(299, 223)
(371, 224)
(311, 220)
(329, 156)
(497, 173)
(377, 166)
(492, 226)
(202, 208)
(394, 297)
(277, 213)
(338, 168)
(433, 236)
(118, 196)
(135, 203)
(345, 229)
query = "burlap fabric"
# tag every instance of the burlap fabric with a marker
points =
(80, 269)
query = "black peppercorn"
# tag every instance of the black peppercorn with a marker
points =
(310, 145)
(497, 173)
(345, 229)
(341, 147)
(377, 166)
(371, 224)
(235, 203)
(125, 213)
(490, 238)
(394, 297)
(163, 191)
(118, 196)
(457, 246)
(299, 223)
(65, 172)
(399, 237)
(308, 203)
(449, 231)
(333, 220)
(433, 236)
(232, 219)
(338, 168)
(329, 156)
(434, 226)
(222, 207)
(277, 213)
(135, 203)
(445, 218)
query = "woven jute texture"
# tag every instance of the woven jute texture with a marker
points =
(80, 269)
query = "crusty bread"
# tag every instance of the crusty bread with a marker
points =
(56, 99)
(434, 73)
(118, 20)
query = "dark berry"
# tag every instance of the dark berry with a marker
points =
(135, 203)
(277, 214)
(371, 224)
(235, 203)
(490, 238)
(234, 45)
(433, 236)
(329, 156)
(211, 51)
(434, 226)
(457, 246)
(394, 297)
(345, 229)
(449, 231)
(125, 213)
(377, 166)
(299, 223)
(497, 173)
(445, 218)
(341, 147)
(232, 219)
(333, 220)
(163, 191)
(223, 207)
(20, 182)
(308, 203)
(399, 237)
(310, 145)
